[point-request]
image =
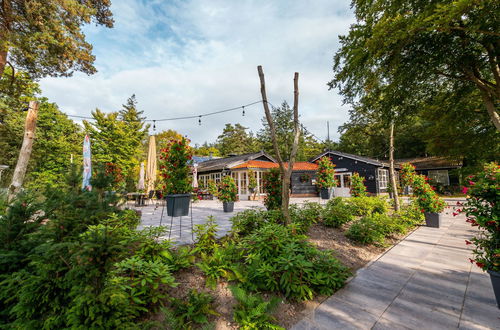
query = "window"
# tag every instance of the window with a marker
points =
(439, 177)
(383, 178)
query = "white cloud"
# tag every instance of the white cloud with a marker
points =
(189, 58)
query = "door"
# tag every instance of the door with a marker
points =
(343, 188)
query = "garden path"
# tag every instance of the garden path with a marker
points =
(424, 282)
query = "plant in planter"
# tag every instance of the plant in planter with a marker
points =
(252, 183)
(272, 188)
(325, 179)
(427, 199)
(483, 211)
(358, 188)
(228, 193)
(174, 169)
(212, 188)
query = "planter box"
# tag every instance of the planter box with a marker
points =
(495, 282)
(432, 219)
(228, 206)
(326, 193)
(178, 205)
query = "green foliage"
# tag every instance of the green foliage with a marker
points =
(252, 179)
(193, 311)
(272, 188)
(337, 213)
(326, 173)
(427, 198)
(44, 38)
(252, 311)
(206, 240)
(410, 215)
(362, 206)
(283, 121)
(303, 217)
(280, 261)
(358, 188)
(483, 211)
(245, 222)
(365, 232)
(236, 140)
(212, 187)
(228, 192)
(221, 264)
(174, 160)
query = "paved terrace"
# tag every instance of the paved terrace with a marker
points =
(181, 227)
(424, 282)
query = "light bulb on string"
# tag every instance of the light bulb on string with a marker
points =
(154, 125)
(199, 120)
(243, 113)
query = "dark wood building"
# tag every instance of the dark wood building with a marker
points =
(375, 172)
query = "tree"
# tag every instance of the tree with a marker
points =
(57, 136)
(283, 121)
(118, 137)
(235, 140)
(207, 149)
(399, 53)
(44, 37)
(164, 137)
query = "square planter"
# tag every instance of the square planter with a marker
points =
(495, 282)
(432, 219)
(326, 193)
(228, 206)
(178, 205)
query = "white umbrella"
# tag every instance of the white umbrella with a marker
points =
(140, 184)
(151, 168)
(195, 176)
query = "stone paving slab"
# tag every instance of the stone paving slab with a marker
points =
(424, 282)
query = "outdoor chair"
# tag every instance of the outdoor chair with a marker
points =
(149, 198)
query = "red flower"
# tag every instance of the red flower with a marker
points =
(464, 190)
(455, 214)
(480, 264)
(468, 242)
(471, 260)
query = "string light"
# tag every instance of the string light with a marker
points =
(199, 121)
(243, 107)
(154, 125)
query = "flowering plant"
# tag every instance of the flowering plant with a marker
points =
(358, 188)
(483, 211)
(212, 188)
(228, 191)
(326, 173)
(272, 188)
(427, 199)
(174, 169)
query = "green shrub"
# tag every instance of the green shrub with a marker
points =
(252, 312)
(272, 188)
(220, 264)
(206, 240)
(195, 310)
(280, 261)
(303, 217)
(410, 215)
(362, 206)
(365, 232)
(243, 223)
(337, 212)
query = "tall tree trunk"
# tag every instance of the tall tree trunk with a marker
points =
(286, 173)
(392, 172)
(3, 61)
(25, 153)
(489, 103)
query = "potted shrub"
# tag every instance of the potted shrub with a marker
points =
(228, 193)
(272, 188)
(427, 199)
(358, 188)
(174, 169)
(482, 209)
(212, 189)
(325, 179)
(252, 183)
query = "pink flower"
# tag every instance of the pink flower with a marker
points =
(464, 191)
(455, 214)
(471, 183)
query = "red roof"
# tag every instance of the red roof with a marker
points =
(298, 166)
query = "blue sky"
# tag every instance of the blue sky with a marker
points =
(190, 57)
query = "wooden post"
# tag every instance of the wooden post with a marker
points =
(392, 173)
(286, 173)
(25, 153)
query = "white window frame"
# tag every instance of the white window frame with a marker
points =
(383, 178)
(439, 176)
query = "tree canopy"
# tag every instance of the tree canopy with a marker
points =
(235, 140)
(44, 37)
(398, 54)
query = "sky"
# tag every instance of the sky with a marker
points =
(183, 58)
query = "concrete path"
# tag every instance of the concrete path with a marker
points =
(425, 282)
(181, 227)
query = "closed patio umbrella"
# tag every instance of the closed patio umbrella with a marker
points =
(140, 184)
(195, 176)
(151, 167)
(87, 164)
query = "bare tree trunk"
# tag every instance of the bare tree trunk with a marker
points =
(286, 173)
(392, 172)
(25, 153)
(489, 103)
